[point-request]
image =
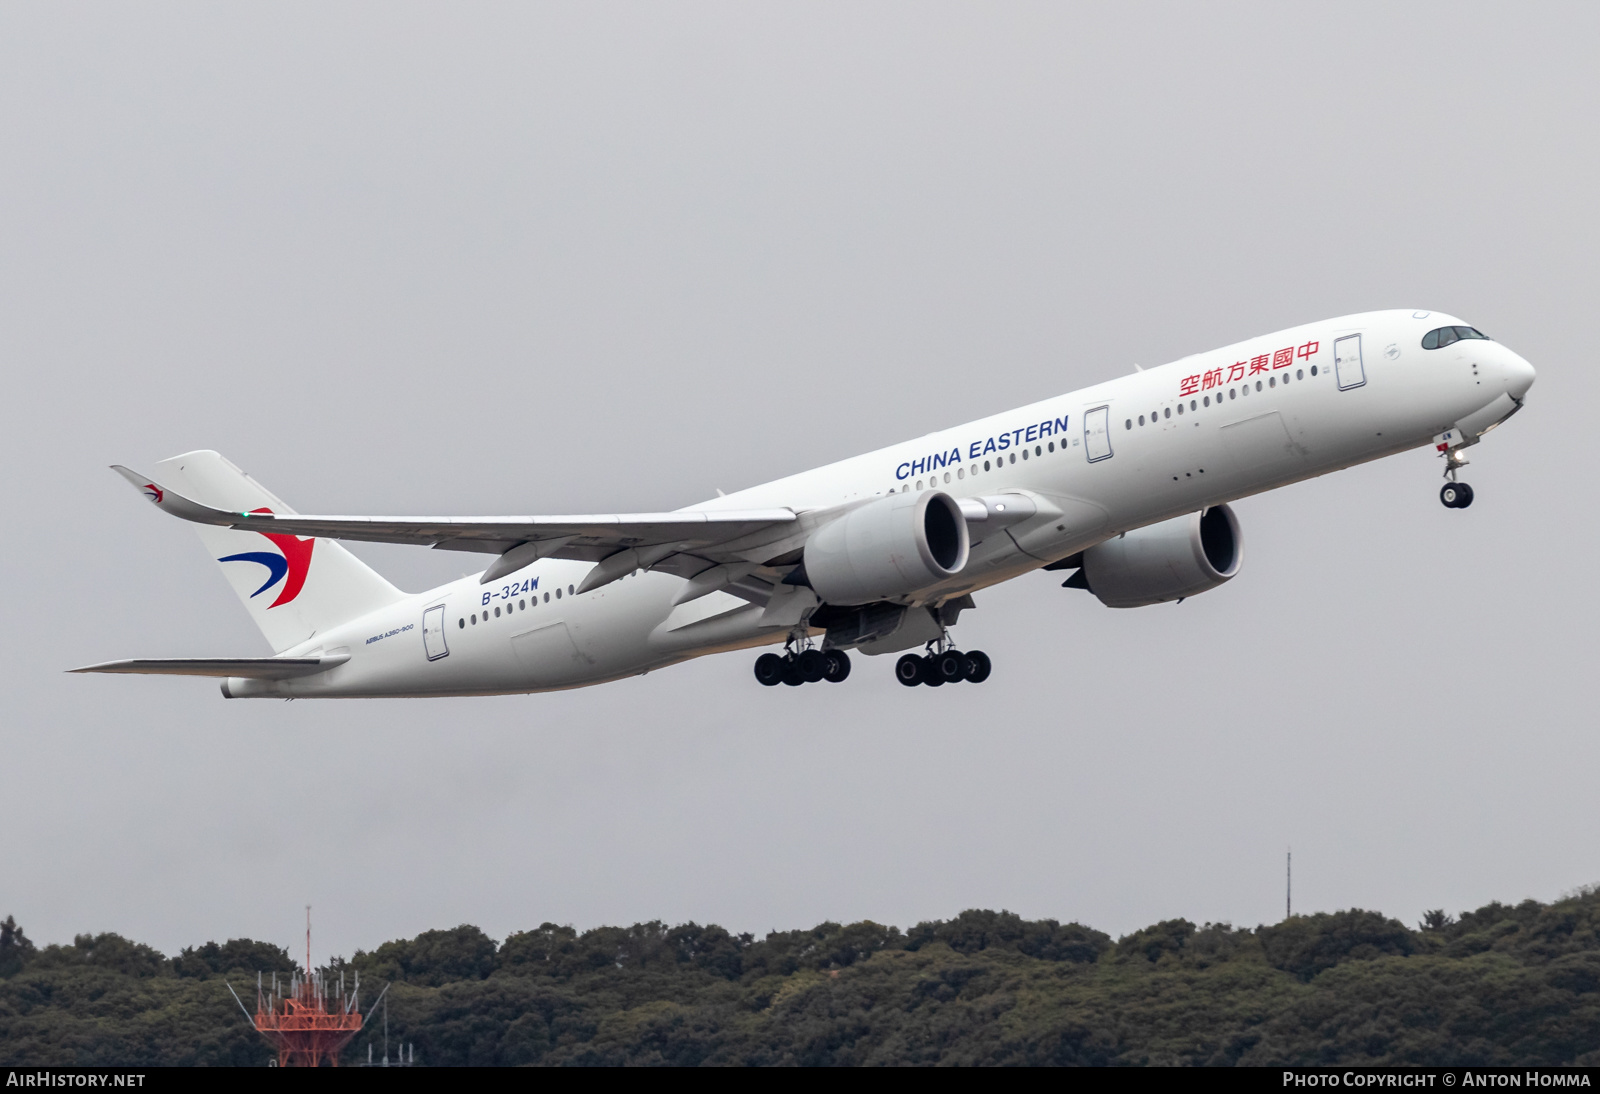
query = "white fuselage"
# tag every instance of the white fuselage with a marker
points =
(1197, 432)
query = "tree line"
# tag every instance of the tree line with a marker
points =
(1505, 984)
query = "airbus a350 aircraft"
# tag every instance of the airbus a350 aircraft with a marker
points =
(1126, 483)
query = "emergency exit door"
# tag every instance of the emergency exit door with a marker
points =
(1347, 362)
(1097, 433)
(433, 633)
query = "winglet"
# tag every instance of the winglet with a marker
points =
(172, 502)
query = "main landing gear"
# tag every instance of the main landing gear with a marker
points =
(947, 667)
(806, 667)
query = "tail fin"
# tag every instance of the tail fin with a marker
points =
(293, 588)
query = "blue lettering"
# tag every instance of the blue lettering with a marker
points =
(1016, 435)
(903, 471)
(1033, 434)
(936, 460)
(974, 451)
(1061, 425)
(1005, 441)
(954, 456)
(988, 446)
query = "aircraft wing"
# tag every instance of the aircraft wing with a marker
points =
(586, 537)
(260, 668)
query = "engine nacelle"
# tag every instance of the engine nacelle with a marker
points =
(887, 548)
(1176, 558)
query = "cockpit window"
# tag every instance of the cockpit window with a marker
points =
(1444, 336)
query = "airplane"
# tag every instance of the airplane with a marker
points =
(1126, 484)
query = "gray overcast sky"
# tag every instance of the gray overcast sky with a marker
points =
(482, 258)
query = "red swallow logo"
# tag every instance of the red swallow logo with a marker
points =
(290, 567)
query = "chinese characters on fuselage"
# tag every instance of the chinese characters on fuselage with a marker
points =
(1241, 370)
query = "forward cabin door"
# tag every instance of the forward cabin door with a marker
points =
(1347, 362)
(433, 633)
(1097, 433)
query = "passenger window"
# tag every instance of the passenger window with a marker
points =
(474, 619)
(947, 476)
(986, 465)
(558, 594)
(961, 472)
(569, 590)
(1167, 413)
(1272, 381)
(497, 613)
(1013, 457)
(1180, 408)
(1299, 374)
(1313, 370)
(1141, 419)
(462, 623)
(1258, 385)
(1191, 405)
(1024, 453)
(547, 598)
(1206, 401)
(522, 605)
(1037, 451)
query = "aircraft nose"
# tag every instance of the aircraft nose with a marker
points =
(1519, 376)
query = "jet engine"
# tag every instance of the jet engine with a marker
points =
(1167, 561)
(887, 548)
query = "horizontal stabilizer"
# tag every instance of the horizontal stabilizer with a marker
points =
(255, 668)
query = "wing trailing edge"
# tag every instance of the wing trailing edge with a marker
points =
(585, 537)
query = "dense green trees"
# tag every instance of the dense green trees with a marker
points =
(1502, 984)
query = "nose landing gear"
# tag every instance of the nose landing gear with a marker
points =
(1454, 495)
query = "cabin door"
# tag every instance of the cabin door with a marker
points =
(433, 633)
(1097, 433)
(1347, 362)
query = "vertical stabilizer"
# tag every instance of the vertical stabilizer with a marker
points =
(293, 588)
